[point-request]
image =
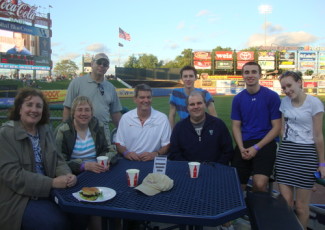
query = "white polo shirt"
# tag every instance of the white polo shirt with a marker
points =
(154, 134)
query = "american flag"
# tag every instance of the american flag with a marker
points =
(120, 44)
(124, 35)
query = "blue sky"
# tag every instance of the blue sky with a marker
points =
(166, 28)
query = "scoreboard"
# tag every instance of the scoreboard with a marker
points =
(28, 62)
(17, 59)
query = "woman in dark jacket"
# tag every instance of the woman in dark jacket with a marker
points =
(82, 138)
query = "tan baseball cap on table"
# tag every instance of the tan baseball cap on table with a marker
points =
(155, 183)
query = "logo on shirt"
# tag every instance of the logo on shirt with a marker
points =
(211, 132)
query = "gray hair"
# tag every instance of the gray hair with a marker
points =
(194, 93)
(141, 87)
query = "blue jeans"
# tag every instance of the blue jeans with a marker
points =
(44, 214)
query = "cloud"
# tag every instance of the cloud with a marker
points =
(69, 56)
(273, 28)
(202, 13)
(205, 13)
(299, 38)
(97, 48)
(181, 25)
(171, 45)
(190, 39)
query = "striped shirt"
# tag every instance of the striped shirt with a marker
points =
(84, 148)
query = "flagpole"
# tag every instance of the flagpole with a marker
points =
(118, 63)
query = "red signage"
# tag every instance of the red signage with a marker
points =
(202, 55)
(202, 64)
(245, 56)
(266, 83)
(310, 84)
(240, 64)
(223, 55)
(212, 91)
(22, 11)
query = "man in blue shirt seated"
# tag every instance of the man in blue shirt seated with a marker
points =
(19, 45)
(200, 137)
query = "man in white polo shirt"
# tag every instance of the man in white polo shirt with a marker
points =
(143, 133)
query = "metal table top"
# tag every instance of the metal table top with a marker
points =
(212, 199)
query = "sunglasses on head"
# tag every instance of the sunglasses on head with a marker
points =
(102, 62)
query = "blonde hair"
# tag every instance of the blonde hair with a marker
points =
(80, 100)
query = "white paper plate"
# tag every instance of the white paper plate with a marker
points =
(108, 194)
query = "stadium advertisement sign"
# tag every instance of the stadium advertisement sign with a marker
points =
(307, 60)
(310, 84)
(208, 83)
(245, 56)
(310, 90)
(18, 10)
(223, 55)
(287, 65)
(268, 65)
(125, 92)
(321, 84)
(287, 56)
(266, 56)
(321, 65)
(55, 95)
(268, 84)
(202, 55)
(202, 64)
(212, 91)
(237, 83)
(240, 64)
(224, 64)
(223, 83)
(321, 91)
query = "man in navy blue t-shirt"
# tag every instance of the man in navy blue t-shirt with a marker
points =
(256, 123)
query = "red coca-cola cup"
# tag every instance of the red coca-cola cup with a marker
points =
(194, 169)
(132, 177)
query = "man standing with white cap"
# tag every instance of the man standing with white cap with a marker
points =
(102, 93)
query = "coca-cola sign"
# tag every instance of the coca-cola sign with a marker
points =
(15, 10)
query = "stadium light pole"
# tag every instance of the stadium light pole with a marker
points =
(265, 9)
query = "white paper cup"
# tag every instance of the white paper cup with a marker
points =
(194, 169)
(103, 160)
(132, 177)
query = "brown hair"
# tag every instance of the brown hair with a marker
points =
(22, 95)
(188, 67)
(295, 75)
(253, 63)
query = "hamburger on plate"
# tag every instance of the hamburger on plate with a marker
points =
(90, 193)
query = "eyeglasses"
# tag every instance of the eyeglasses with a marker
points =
(101, 88)
(102, 62)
